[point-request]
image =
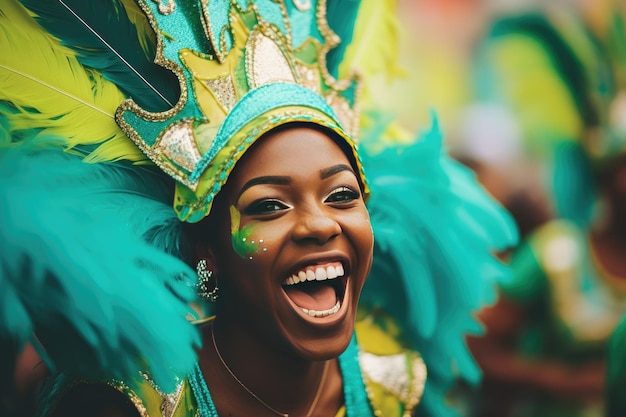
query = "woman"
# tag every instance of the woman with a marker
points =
(269, 185)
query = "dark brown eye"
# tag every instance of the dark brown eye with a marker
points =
(343, 194)
(265, 206)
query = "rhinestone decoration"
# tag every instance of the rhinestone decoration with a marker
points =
(388, 371)
(169, 402)
(224, 91)
(266, 62)
(179, 145)
(343, 111)
(391, 372)
(165, 8)
(309, 77)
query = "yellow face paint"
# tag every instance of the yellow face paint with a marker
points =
(242, 245)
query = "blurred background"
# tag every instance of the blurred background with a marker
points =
(532, 96)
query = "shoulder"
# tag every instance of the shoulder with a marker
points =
(394, 376)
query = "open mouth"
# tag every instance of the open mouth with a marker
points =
(318, 290)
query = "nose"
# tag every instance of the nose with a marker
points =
(316, 225)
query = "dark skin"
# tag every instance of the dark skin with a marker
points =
(312, 215)
(309, 213)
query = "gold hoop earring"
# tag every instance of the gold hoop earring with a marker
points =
(204, 276)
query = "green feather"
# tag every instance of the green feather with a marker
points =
(53, 93)
(107, 40)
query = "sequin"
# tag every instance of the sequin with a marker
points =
(224, 91)
(342, 109)
(169, 402)
(165, 8)
(309, 77)
(178, 144)
(265, 62)
(402, 375)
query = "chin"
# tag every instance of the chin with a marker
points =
(326, 342)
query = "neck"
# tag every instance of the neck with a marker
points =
(287, 384)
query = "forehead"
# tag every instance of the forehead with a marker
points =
(298, 149)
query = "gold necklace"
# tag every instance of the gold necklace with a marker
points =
(256, 397)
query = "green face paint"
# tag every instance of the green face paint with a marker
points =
(242, 245)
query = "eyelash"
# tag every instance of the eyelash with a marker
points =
(342, 195)
(261, 206)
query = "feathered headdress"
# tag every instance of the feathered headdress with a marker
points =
(193, 84)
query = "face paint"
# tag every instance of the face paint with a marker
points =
(242, 245)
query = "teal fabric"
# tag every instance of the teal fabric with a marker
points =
(256, 103)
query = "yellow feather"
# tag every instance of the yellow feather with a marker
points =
(54, 91)
(374, 46)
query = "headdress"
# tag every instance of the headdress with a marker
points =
(244, 68)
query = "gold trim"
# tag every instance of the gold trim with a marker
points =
(124, 389)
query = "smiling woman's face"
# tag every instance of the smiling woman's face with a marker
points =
(293, 244)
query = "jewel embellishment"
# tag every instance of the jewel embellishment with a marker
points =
(266, 63)
(224, 91)
(179, 145)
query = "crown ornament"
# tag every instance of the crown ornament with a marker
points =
(244, 68)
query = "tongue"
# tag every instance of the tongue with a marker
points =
(312, 295)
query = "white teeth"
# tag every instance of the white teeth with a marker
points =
(317, 274)
(322, 313)
(310, 275)
(331, 272)
(320, 274)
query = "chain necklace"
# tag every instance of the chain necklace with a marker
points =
(256, 397)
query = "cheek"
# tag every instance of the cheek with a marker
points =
(361, 234)
(255, 242)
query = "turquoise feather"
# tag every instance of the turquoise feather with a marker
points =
(435, 234)
(79, 274)
(341, 16)
(157, 88)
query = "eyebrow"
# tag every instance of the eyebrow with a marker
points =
(283, 180)
(268, 179)
(335, 169)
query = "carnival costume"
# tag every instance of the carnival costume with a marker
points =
(100, 99)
